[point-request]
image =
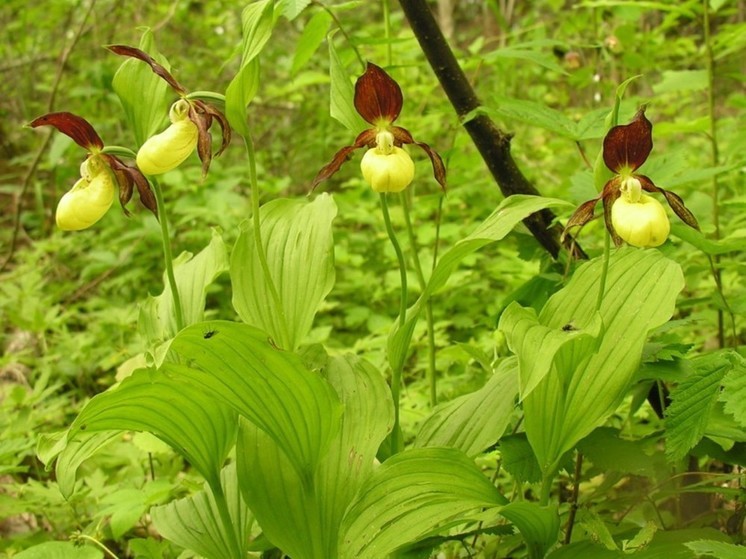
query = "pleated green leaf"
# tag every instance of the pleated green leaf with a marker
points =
(194, 522)
(473, 422)
(501, 222)
(145, 97)
(182, 414)
(314, 32)
(538, 525)
(304, 521)
(60, 550)
(719, 550)
(239, 366)
(74, 454)
(342, 94)
(409, 496)
(257, 20)
(297, 239)
(641, 291)
(157, 319)
(562, 349)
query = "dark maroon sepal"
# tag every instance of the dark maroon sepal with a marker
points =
(628, 145)
(77, 128)
(365, 138)
(377, 96)
(124, 50)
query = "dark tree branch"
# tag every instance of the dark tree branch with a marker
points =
(493, 144)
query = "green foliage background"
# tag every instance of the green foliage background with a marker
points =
(547, 71)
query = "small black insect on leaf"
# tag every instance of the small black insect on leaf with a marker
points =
(569, 327)
(210, 334)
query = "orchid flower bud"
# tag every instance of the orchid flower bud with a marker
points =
(643, 223)
(166, 151)
(387, 168)
(89, 198)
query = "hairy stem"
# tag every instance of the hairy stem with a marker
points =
(167, 255)
(396, 374)
(574, 499)
(715, 159)
(432, 381)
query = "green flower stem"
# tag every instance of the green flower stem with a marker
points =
(94, 541)
(225, 517)
(715, 159)
(396, 374)
(285, 341)
(167, 255)
(604, 270)
(432, 381)
(387, 30)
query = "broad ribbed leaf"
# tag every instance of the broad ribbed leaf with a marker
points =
(692, 402)
(74, 454)
(195, 523)
(145, 97)
(313, 33)
(641, 291)
(292, 8)
(409, 496)
(539, 526)
(305, 522)
(257, 21)
(157, 320)
(297, 239)
(473, 422)
(342, 93)
(238, 365)
(719, 550)
(518, 458)
(60, 550)
(562, 349)
(501, 222)
(669, 544)
(162, 402)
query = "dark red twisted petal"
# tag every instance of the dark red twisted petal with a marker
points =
(158, 69)
(74, 126)
(366, 138)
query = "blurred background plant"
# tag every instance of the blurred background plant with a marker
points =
(545, 70)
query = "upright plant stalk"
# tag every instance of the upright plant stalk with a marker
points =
(167, 255)
(715, 158)
(396, 373)
(285, 342)
(225, 518)
(432, 381)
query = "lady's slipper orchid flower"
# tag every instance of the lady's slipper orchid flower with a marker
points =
(630, 215)
(166, 151)
(386, 166)
(101, 174)
(191, 120)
